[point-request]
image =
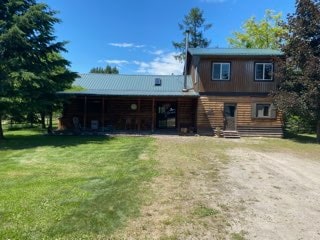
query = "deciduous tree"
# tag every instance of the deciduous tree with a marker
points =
(299, 91)
(266, 33)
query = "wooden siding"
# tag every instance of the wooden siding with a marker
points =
(116, 112)
(242, 77)
(210, 113)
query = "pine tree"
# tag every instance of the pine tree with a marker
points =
(194, 22)
(26, 44)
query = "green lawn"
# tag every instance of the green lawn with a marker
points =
(71, 187)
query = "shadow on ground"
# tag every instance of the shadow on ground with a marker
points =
(301, 138)
(19, 140)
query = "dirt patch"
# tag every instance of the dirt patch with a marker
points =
(211, 188)
(277, 195)
(184, 200)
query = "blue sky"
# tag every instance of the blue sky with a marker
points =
(136, 35)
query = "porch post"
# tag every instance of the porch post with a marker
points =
(152, 125)
(139, 115)
(102, 120)
(85, 113)
(177, 116)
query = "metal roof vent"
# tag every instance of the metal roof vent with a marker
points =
(157, 81)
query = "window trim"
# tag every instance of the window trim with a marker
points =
(196, 75)
(220, 79)
(272, 112)
(264, 105)
(263, 79)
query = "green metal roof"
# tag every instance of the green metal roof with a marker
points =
(132, 85)
(234, 52)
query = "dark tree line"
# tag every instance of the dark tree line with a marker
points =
(107, 70)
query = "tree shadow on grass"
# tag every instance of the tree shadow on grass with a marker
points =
(301, 138)
(21, 141)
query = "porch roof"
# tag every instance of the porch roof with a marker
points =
(132, 85)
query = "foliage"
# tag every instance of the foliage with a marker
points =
(299, 91)
(31, 69)
(196, 24)
(264, 34)
(107, 70)
(71, 187)
(295, 124)
(75, 88)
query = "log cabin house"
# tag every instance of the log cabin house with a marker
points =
(223, 90)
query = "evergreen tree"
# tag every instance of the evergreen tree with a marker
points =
(194, 22)
(107, 70)
(299, 92)
(26, 44)
(264, 34)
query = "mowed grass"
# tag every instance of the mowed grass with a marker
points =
(68, 187)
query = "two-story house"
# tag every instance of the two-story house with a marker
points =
(226, 89)
(234, 87)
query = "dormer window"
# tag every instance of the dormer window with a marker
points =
(220, 71)
(264, 71)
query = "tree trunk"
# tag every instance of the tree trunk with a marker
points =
(30, 119)
(43, 120)
(50, 123)
(1, 129)
(318, 131)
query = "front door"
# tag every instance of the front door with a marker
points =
(166, 115)
(230, 116)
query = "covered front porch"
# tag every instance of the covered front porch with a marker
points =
(129, 114)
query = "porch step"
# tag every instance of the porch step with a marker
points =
(231, 134)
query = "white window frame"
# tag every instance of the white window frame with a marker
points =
(196, 75)
(263, 71)
(220, 77)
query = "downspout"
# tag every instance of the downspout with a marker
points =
(185, 87)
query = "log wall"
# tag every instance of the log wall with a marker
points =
(210, 115)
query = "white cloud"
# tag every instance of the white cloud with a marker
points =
(115, 61)
(126, 45)
(164, 64)
(156, 52)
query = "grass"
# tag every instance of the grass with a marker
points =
(203, 211)
(71, 187)
(303, 145)
(96, 187)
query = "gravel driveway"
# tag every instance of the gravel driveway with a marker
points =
(277, 195)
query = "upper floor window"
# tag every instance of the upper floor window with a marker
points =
(220, 71)
(264, 71)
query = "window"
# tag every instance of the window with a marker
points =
(264, 110)
(220, 71)
(264, 71)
